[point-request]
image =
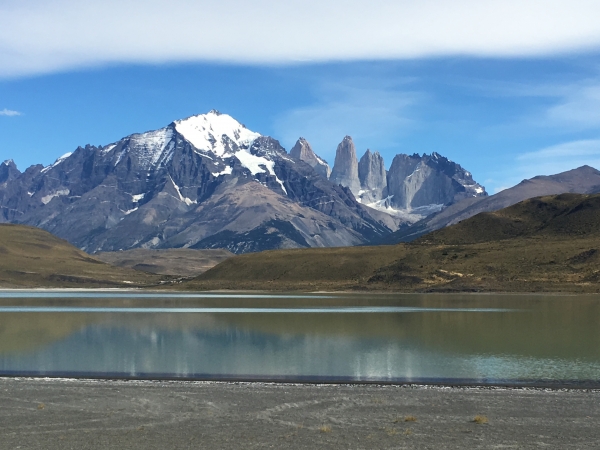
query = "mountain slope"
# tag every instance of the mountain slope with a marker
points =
(582, 180)
(34, 258)
(562, 216)
(177, 262)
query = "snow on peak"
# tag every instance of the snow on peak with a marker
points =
(57, 162)
(151, 147)
(206, 132)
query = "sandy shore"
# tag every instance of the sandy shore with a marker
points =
(84, 414)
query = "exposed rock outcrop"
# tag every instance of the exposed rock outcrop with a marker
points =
(304, 152)
(8, 171)
(417, 181)
(372, 176)
(345, 168)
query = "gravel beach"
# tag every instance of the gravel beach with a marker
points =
(87, 414)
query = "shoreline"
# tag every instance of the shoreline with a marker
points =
(553, 386)
(320, 383)
(298, 292)
(55, 414)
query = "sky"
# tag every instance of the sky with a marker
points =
(508, 89)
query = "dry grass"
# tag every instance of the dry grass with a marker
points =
(31, 257)
(41, 406)
(410, 418)
(480, 419)
(504, 251)
(325, 429)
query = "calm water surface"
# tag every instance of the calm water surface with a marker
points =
(489, 339)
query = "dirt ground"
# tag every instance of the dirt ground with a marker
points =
(84, 414)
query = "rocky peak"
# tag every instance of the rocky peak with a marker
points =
(266, 146)
(304, 152)
(8, 171)
(417, 181)
(345, 168)
(372, 176)
(207, 132)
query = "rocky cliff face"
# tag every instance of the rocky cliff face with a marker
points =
(414, 187)
(304, 152)
(345, 168)
(372, 176)
(202, 182)
(419, 181)
(8, 171)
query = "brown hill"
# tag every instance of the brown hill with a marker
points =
(561, 216)
(30, 257)
(181, 262)
(539, 245)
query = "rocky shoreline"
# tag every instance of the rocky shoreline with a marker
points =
(92, 414)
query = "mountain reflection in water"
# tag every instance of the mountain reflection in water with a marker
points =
(469, 337)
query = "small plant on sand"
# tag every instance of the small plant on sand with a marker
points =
(407, 432)
(480, 419)
(404, 419)
(41, 406)
(325, 429)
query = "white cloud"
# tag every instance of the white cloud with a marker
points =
(9, 112)
(575, 150)
(580, 108)
(38, 36)
(549, 161)
(559, 158)
(374, 117)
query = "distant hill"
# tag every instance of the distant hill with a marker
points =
(583, 180)
(545, 244)
(562, 216)
(30, 257)
(181, 262)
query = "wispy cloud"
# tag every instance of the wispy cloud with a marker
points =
(9, 112)
(579, 108)
(38, 36)
(551, 160)
(568, 151)
(374, 115)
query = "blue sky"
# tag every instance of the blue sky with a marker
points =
(506, 104)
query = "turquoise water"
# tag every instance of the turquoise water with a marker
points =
(463, 339)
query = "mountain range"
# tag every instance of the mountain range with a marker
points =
(209, 182)
(583, 180)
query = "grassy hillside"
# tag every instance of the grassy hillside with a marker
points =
(543, 244)
(564, 216)
(30, 257)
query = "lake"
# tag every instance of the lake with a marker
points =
(401, 338)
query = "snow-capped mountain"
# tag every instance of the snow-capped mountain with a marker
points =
(202, 182)
(209, 182)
